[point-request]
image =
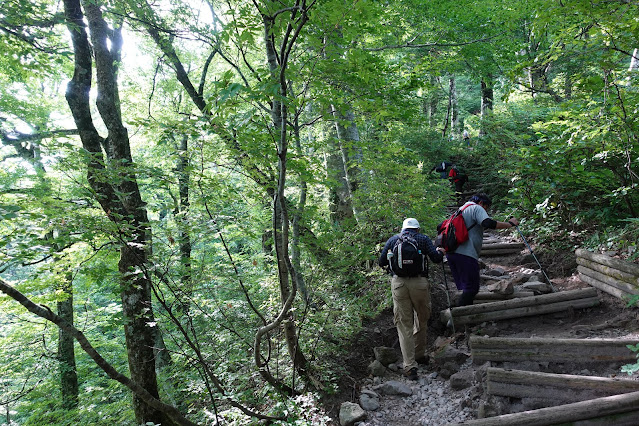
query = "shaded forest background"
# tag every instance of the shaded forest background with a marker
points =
(193, 194)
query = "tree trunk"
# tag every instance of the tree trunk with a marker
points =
(182, 216)
(121, 200)
(298, 218)
(486, 100)
(66, 352)
(432, 101)
(634, 61)
(449, 108)
(279, 118)
(340, 204)
(347, 140)
(568, 86)
(454, 129)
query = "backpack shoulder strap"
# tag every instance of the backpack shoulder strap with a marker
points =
(461, 210)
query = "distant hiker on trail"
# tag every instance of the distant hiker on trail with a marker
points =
(458, 179)
(466, 137)
(464, 261)
(442, 168)
(404, 255)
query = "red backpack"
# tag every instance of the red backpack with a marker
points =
(452, 232)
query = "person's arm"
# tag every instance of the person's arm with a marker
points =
(427, 247)
(383, 259)
(491, 223)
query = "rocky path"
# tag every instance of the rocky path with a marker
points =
(451, 388)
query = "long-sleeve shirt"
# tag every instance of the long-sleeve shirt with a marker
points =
(423, 243)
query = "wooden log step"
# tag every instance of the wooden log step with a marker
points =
(507, 297)
(622, 276)
(627, 267)
(490, 296)
(618, 410)
(525, 311)
(501, 245)
(543, 299)
(554, 389)
(489, 240)
(496, 252)
(503, 349)
(522, 307)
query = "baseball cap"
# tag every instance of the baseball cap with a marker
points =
(410, 223)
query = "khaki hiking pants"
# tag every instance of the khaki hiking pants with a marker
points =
(411, 308)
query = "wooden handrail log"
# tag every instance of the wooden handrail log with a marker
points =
(627, 267)
(621, 285)
(609, 271)
(620, 294)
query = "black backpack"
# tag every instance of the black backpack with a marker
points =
(405, 259)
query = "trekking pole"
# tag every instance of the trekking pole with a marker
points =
(452, 323)
(535, 257)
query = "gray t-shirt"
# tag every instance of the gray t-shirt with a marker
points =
(473, 215)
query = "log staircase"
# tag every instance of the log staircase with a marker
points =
(565, 399)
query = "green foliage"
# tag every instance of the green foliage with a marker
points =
(563, 159)
(631, 368)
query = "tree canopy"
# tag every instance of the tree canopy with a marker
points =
(193, 194)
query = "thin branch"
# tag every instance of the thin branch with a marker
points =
(46, 313)
(410, 45)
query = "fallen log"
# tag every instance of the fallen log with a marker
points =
(631, 280)
(618, 410)
(627, 267)
(554, 389)
(502, 349)
(621, 285)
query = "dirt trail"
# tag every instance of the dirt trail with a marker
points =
(433, 392)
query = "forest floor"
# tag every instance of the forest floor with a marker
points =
(610, 319)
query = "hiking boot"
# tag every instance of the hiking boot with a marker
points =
(411, 374)
(422, 360)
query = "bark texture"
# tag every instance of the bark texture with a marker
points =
(115, 187)
(66, 352)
